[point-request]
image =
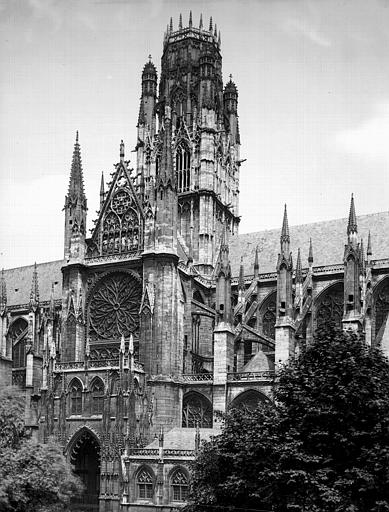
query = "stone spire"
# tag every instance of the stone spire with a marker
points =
(34, 294)
(190, 19)
(171, 24)
(76, 182)
(369, 251)
(256, 263)
(180, 22)
(201, 22)
(210, 24)
(299, 272)
(285, 237)
(352, 228)
(122, 151)
(52, 302)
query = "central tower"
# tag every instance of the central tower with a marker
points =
(204, 139)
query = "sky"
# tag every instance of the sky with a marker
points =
(313, 82)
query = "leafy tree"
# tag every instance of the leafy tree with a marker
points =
(322, 446)
(33, 477)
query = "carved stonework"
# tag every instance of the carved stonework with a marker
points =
(114, 307)
(330, 309)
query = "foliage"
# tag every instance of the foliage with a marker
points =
(33, 477)
(323, 447)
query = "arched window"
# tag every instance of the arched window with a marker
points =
(330, 307)
(196, 410)
(17, 339)
(75, 389)
(97, 394)
(179, 486)
(268, 317)
(144, 485)
(247, 400)
(182, 169)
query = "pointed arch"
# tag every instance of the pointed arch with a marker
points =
(381, 304)
(329, 305)
(183, 163)
(75, 389)
(178, 484)
(97, 395)
(248, 399)
(267, 315)
(145, 484)
(196, 410)
(16, 342)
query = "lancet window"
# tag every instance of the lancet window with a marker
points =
(269, 318)
(97, 392)
(144, 484)
(121, 225)
(17, 336)
(75, 397)
(330, 309)
(183, 168)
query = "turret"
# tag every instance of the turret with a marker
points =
(230, 99)
(148, 98)
(75, 210)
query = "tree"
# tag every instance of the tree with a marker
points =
(323, 445)
(33, 477)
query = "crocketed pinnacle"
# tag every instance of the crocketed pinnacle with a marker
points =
(256, 263)
(190, 19)
(122, 151)
(34, 294)
(210, 24)
(369, 251)
(362, 256)
(180, 22)
(352, 218)
(310, 254)
(102, 190)
(299, 272)
(285, 228)
(201, 22)
(76, 182)
(167, 172)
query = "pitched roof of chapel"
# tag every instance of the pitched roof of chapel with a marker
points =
(184, 438)
(328, 240)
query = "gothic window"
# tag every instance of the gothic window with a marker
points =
(114, 307)
(197, 410)
(97, 394)
(75, 389)
(179, 486)
(182, 169)
(17, 339)
(330, 308)
(268, 317)
(381, 306)
(121, 225)
(144, 485)
(247, 400)
(196, 321)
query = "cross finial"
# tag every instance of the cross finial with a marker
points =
(149, 57)
(230, 77)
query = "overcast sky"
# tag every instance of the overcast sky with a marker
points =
(313, 82)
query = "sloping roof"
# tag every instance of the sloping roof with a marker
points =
(328, 240)
(18, 281)
(184, 438)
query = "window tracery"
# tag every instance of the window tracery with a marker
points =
(330, 308)
(121, 225)
(114, 307)
(182, 168)
(75, 397)
(97, 393)
(197, 410)
(17, 336)
(179, 486)
(381, 307)
(144, 483)
(269, 320)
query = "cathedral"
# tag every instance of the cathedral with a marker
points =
(130, 347)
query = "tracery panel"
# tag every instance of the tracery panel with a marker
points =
(330, 307)
(196, 410)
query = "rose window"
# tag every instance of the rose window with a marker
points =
(114, 307)
(121, 202)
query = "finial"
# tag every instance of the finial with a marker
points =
(150, 57)
(180, 22)
(171, 24)
(201, 22)
(352, 218)
(121, 150)
(362, 256)
(34, 295)
(219, 40)
(210, 24)
(230, 77)
(369, 251)
(77, 137)
(256, 263)
(310, 254)
(241, 285)
(215, 32)
(190, 19)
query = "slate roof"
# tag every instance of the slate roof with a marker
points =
(184, 438)
(328, 240)
(18, 281)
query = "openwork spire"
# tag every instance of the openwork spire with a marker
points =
(34, 295)
(352, 218)
(76, 182)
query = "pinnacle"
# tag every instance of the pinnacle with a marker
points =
(352, 218)
(241, 275)
(299, 275)
(369, 251)
(256, 263)
(34, 295)
(285, 227)
(310, 254)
